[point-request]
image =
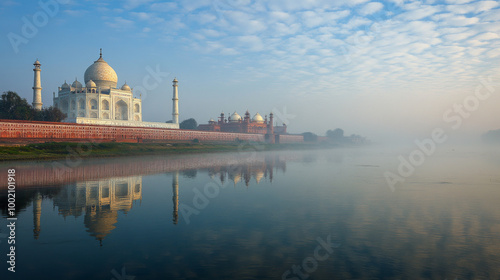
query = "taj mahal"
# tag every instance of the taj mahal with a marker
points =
(100, 101)
(95, 108)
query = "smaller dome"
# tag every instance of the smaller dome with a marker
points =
(37, 62)
(126, 87)
(77, 84)
(235, 117)
(91, 84)
(211, 120)
(65, 85)
(258, 118)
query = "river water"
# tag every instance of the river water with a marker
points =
(322, 214)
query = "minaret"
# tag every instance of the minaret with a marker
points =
(221, 118)
(175, 103)
(175, 196)
(37, 87)
(247, 117)
(271, 124)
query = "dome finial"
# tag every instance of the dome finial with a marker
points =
(100, 53)
(101, 73)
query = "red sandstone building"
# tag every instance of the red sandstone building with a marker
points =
(235, 123)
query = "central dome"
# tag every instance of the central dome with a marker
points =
(101, 73)
(258, 118)
(235, 117)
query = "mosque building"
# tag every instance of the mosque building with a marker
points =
(100, 101)
(235, 123)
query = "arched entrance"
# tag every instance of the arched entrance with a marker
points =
(121, 111)
(105, 105)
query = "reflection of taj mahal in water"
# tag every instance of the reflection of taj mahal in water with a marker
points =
(99, 201)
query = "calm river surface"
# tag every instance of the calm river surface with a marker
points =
(324, 214)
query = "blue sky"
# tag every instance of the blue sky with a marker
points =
(371, 67)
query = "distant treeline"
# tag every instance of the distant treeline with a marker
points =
(13, 107)
(492, 136)
(336, 136)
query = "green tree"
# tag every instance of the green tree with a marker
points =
(188, 124)
(13, 107)
(51, 114)
(492, 136)
(336, 134)
(310, 137)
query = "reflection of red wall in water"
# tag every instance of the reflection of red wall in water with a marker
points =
(32, 131)
(61, 172)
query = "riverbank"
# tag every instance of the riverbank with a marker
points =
(49, 151)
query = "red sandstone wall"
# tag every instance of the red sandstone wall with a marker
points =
(32, 131)
(288, 138)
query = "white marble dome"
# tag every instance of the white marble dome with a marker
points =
(258, 118)
(77, 84)
(235, 117)
(126, 87)
(102, 74)
(65, 86)
(90, 84)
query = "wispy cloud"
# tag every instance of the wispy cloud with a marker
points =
(371, 8)
(372, 44)
(132, 4)
(120, 23)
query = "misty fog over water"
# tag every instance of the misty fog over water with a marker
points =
(320, 214)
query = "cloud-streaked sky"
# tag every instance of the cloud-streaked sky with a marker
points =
(371, 67)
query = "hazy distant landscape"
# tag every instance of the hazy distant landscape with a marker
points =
(492, 136)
